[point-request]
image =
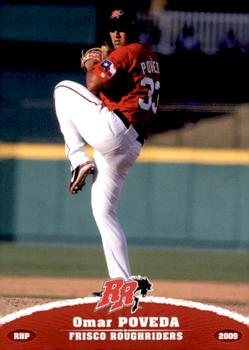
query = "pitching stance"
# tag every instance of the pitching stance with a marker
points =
(112, 114)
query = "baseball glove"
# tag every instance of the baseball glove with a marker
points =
(97, 54)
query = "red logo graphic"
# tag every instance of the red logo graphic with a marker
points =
(118, 293)
(116, 14)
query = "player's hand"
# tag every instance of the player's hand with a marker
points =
(95, 55)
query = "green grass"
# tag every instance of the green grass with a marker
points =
(82, 261)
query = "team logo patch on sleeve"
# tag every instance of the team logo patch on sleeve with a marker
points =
(108, 67)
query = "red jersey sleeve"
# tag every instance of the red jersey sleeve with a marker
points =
(108, 68)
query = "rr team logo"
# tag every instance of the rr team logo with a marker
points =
(118, 293)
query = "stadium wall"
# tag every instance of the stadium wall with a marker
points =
(172, 197)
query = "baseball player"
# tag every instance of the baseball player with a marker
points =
(112, 114)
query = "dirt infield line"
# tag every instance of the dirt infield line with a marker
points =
(21, 292)
(80, 287)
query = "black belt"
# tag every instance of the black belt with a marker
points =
(126, 122)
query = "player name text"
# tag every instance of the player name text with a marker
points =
(132, 322)
(150, 66)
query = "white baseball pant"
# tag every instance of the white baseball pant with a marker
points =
(85, 120)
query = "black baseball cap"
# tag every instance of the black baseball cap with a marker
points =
(120, 20)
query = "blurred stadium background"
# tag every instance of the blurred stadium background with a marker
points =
(186, 200)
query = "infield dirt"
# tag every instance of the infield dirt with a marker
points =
(21, 292)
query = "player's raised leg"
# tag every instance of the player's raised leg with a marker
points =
(84, 119)
(81, 166)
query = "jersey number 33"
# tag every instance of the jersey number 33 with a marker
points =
(152, 99)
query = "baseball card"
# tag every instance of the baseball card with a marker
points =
(124, 165)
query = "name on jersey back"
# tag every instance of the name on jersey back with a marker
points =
(150, 66)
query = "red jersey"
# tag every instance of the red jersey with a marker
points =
(131, 83)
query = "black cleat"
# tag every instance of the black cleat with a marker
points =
(79, 175)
